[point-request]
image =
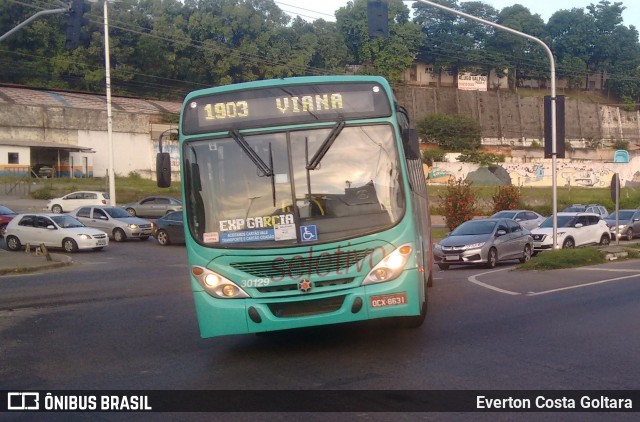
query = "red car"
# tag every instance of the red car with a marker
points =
(6, 215)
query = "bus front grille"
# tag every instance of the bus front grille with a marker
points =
(306, 307)
(294, 287)
(298, 265)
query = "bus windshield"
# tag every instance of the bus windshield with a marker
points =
(355, 188)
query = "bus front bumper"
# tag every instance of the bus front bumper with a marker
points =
(400, 297)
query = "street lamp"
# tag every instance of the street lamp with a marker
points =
(107, 67)
(553, 101)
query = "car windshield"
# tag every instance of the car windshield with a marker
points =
(474, 227)
(5, 211)
(563, 221)
(505, 214)
(621, 215)
(575, 208)
(117, 212)
(66, 221)
(355, 189)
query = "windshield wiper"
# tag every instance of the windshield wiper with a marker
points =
(253, 156)
(326, 144)
(267, 170)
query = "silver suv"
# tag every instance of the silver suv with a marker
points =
(594, 208)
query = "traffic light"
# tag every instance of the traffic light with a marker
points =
(548, 153)
(76, 21)
(378, 18)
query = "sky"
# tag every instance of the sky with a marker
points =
(316, 9)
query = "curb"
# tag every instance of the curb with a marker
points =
(58, 260)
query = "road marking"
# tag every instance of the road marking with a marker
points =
(620, 270)
(474, 280)
(581, 285)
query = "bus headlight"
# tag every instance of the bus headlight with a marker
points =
(217, 285)
(391, 266)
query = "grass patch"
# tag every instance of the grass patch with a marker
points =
(437, 233)
(564, 258)
(128, 189)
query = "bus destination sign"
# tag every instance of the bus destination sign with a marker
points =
(297, 104)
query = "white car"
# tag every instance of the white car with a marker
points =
(77, 199)
(54, 231)
(114, 221)
(527, 219)
(574, 229)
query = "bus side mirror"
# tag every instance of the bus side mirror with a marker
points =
(411, 144)
(163, 169)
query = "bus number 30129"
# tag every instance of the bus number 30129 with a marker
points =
(257, 282)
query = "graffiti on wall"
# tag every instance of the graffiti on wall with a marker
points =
(568, 173)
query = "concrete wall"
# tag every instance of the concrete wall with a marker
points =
(508, 119)
(538, 172)
(18, 169)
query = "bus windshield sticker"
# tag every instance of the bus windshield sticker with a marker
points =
(211, 237)
(265, 222)
(285, 232)
(309, 233)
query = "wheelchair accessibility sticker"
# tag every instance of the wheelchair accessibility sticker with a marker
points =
(308, 233)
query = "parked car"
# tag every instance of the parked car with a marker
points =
(54, 231)
(6, 215)
(77, 199)
(153, 206)
(485, 241)
(594, 208)
(114, 221)
(628, 224)
(574, 229)
(527, 219)
(169, 229)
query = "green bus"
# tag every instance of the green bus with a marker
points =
(305, 205)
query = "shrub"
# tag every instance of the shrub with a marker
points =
(620, 144)
(43, 193)
(506, 198)
(430, 155)
(481, 158)
(458, 203)
(452, 133)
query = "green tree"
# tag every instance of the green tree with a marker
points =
(522, 55)
(387, 56)
(455, 43)
(451, 133)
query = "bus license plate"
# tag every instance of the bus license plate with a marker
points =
(388, 300)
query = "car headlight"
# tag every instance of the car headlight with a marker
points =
(217, 285)
(133, 226)
(474, 245)
(437, 246)
(391, 266)
(84, 236)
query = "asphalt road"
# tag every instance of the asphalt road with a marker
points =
(124, 318)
